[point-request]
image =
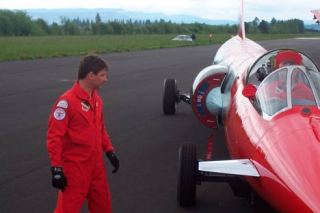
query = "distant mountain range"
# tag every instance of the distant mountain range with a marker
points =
(54, 15)
(312, 26)
(107, 14)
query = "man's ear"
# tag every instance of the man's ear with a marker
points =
(90, 75)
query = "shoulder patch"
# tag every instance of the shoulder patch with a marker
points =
(59, 114)
(63, 104)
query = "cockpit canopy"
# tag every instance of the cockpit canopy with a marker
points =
(275, 59)
(283, 87)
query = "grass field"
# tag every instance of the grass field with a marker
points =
(20, 48)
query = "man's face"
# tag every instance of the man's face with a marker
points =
(98, 79)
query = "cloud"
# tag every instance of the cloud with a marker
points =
(226, 9)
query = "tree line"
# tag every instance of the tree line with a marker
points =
(275, 26)
(19, 23)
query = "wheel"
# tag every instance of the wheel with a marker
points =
(170, 94)
(187, 175)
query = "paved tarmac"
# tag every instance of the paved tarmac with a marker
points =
(147, 142)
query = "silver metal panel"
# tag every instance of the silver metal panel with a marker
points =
(233, 167)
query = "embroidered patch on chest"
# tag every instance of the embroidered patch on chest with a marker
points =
(85, 106)
(59, 114)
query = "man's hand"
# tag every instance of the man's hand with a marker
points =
(114, 161)
(59, 180)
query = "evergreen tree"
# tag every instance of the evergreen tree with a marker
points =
(264, 27)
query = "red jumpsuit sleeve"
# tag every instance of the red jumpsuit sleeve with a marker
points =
(106, 142)
(57, 128)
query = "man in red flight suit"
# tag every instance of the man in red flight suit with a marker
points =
(76, 140)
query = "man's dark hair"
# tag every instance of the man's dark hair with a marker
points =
(91, 63)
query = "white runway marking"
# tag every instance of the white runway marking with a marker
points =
(310, 38)
(66, 80)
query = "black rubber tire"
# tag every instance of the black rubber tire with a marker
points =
(169, 96)
(187, 175)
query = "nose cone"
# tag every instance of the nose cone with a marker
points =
(214, 101)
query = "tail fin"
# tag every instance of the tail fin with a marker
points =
(241, 30)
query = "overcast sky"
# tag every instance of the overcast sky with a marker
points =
(211, 9)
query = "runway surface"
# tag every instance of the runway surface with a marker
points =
(147, 142)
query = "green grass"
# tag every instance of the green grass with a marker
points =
(20, 48)
(17, 48)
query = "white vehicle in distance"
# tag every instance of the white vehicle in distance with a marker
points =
(182, 38)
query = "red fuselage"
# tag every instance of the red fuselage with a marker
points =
(285, 148)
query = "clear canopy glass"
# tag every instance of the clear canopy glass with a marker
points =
(287, 87)
(284, 78)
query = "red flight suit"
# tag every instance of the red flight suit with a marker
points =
(76, 140)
